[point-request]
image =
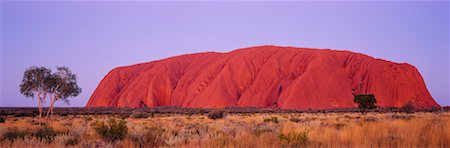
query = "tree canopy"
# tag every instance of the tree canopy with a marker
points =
(365, 101)
(40, 82)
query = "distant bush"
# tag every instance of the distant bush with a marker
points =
(88, 118)
(22, 114)
(409, 107)
(216, 114)
(271, 119)
(115, 129)
(124, 115)
(139, 115)
(446, 108)
(295, 139)
(2, 119)
(293, 119)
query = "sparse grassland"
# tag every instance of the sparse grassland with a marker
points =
(420, 129)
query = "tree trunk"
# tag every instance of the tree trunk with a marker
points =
(39, 107)
(50, 108)
(53, 99)
(56, 99)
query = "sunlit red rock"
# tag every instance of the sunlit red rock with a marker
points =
(264, 76)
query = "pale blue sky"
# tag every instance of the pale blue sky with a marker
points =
(93, 37)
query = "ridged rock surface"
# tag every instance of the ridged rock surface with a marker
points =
(264, 76)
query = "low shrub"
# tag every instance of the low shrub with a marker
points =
(88, 118)
(2, 119)
(115, 129)
(13, 134)
(295, 139)
(296, 120)
(151, 137)
(409, 107)
(44, 133)
(216, 114)
(124, 115)
(47, 133)
(271, 119)
(72, 141)
(139, 115)
(22, 114)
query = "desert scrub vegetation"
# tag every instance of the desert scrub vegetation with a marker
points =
(419, 129)
(294, 139)
(114, 129)
(216, 114)
(139, 115)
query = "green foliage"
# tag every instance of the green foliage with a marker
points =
(216, 114)
(365, 101)
(271, 119)
(35, 79)
(115, 129)
(295, 139)
(409, 107)
(63, 84)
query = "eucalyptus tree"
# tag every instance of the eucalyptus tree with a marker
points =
(63, 84)
(36, 82)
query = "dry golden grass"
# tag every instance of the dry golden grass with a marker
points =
(248, 130)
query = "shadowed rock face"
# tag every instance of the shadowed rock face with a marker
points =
(264, 76)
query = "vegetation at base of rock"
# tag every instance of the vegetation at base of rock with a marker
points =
(365, 101)
(409, 107)
(216, 114)
(139, 115)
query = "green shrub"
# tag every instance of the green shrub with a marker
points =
(295, 139)
(139, 115)
(216, 114)
(271, 119)
(115, 129)
(2, 119)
